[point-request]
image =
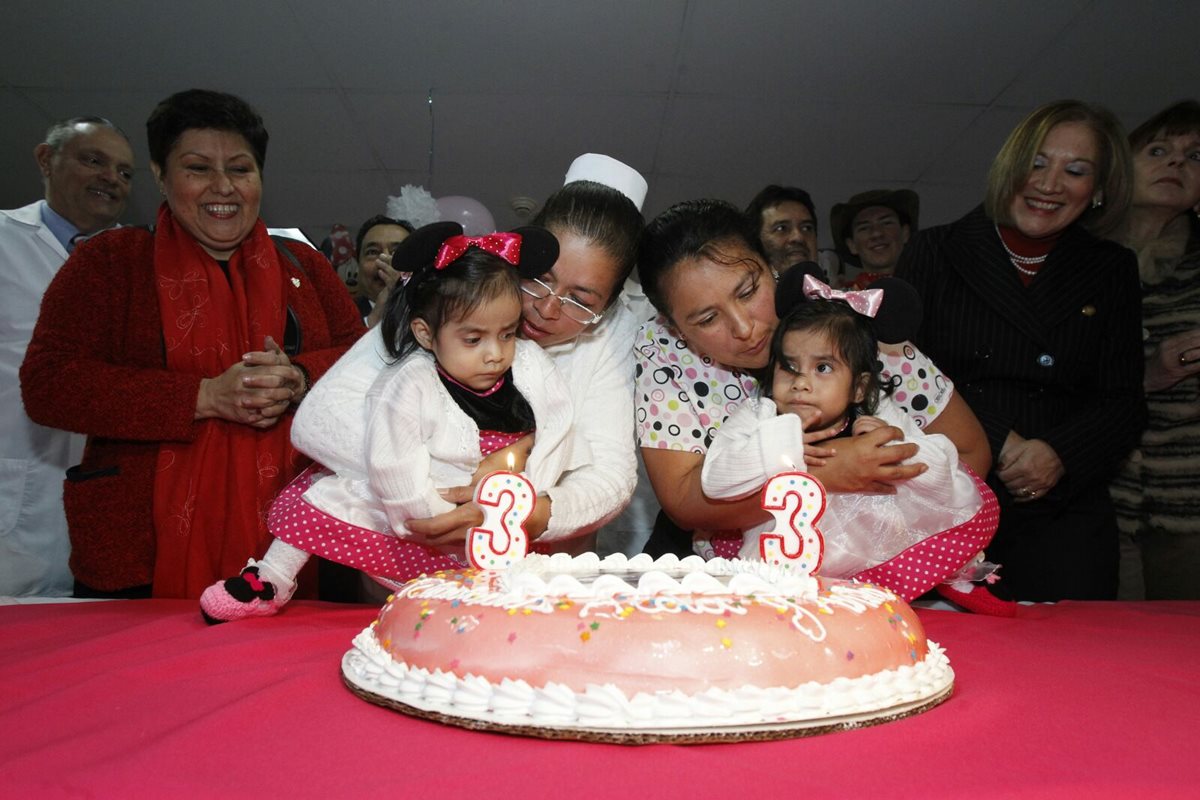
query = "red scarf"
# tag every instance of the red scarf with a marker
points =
(211, 494)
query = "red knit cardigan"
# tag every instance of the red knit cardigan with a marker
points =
(96, 365)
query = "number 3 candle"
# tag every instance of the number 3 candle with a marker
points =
(506, 499)
(797, 500)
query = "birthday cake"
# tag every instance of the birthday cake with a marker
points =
(639, 650)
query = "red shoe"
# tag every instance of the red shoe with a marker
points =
(979, 600)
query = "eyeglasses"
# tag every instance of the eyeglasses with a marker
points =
(571, 309)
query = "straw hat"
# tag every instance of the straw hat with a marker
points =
(905, 202)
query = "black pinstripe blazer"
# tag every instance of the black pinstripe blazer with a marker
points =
(1059, 360)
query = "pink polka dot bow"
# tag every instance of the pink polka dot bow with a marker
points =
(866, 302)
(505, 245)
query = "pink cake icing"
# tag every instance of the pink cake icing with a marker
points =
(633, 645)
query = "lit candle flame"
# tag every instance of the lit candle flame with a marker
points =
(511, 462)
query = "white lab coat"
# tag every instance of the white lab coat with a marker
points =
(33, 460)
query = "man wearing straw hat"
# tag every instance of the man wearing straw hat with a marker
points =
(870, 230)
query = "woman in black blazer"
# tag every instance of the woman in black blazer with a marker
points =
(1038, 323)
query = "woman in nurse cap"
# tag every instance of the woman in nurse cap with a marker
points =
(575, 313)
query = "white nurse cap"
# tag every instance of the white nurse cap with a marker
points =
(611, 173)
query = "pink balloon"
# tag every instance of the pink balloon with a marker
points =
(468, 212)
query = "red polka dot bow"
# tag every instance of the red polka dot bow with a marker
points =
(866, 302)
(505, 245)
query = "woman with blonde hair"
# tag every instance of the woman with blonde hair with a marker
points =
(1038, 323)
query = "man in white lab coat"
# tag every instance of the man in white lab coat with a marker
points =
(87, 167)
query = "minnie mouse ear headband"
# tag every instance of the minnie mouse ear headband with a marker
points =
(892, 305)
(899, 318)
(609, 172)
(530, 249)
(789, 291)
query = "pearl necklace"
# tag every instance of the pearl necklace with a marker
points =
(1018, 260)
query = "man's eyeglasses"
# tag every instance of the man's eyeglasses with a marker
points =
(571, 309)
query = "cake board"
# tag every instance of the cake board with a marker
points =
(366, 690)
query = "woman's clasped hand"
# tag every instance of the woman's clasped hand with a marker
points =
(255, 391)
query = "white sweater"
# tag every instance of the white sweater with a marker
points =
(860, 530)
(330, 425)
(417, 440)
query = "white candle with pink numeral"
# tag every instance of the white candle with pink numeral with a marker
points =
(506, 499)
(797, 500)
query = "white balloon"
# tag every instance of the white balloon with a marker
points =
(468, 212)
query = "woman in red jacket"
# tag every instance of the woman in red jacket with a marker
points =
(180, 352)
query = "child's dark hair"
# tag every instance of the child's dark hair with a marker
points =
(437, 296)
(848, 331)
(457, 289)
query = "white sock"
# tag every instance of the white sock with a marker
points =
(280, 566)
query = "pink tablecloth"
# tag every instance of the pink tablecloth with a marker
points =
(140, 698)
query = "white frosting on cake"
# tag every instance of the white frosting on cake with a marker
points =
(539, 582)
(612, 590)
(606, 707)
(558, 576)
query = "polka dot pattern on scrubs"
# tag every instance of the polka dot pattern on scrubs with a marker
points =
(682, 397)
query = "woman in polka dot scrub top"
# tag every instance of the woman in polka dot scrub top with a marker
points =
(823, 385)
(696, 364)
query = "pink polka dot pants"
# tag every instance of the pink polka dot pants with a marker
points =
(928, 563)
(301, 525)
(933, 561)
